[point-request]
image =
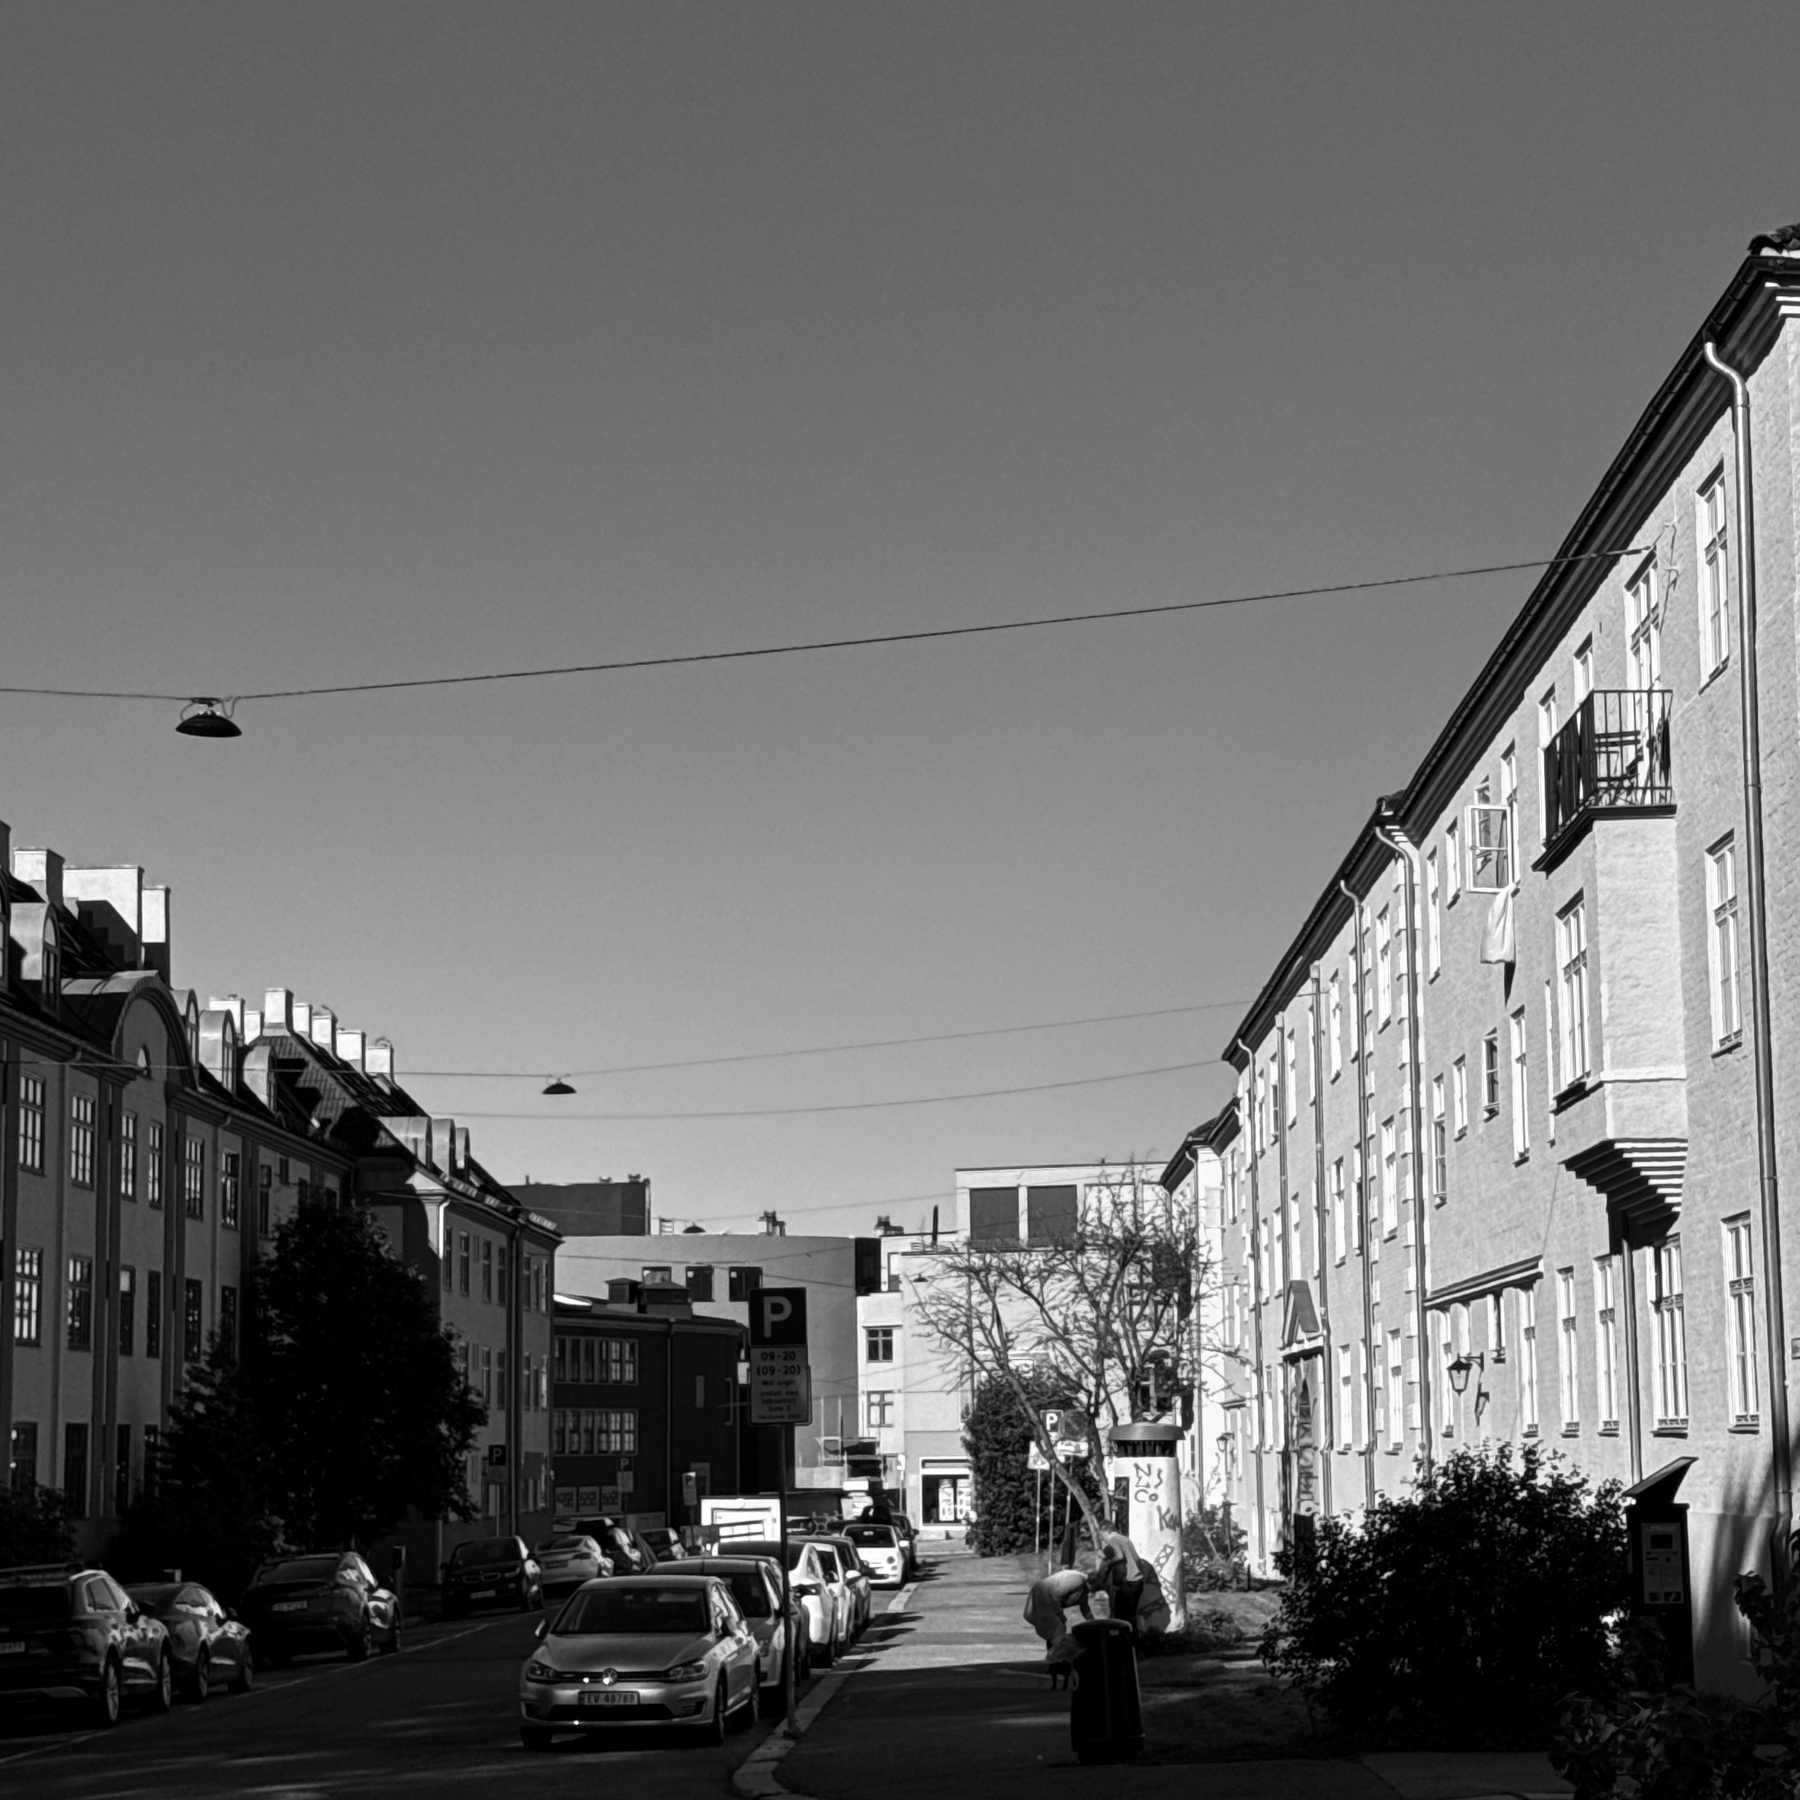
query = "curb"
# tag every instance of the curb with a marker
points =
(754, 1778)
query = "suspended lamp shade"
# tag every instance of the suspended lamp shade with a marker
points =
(204, 718)
(559, 1086)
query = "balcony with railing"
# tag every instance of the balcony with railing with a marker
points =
(1611, 758)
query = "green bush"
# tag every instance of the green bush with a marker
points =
(34, 1526)
(1462, 1613)
(1651, 1740)
(1012, 1501)
(1212, 1553)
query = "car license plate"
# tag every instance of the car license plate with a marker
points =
(482, 1594)
(12, 1649)
(609, 1697)
(288, 1606)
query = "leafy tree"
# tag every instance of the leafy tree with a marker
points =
(1105, 1313)
(368, 1415)
(1462, 1612)
(34, 1525)
(1012, 1502)
(208, 1507)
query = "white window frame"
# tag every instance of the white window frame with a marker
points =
(1390, 1178)
(1574, 1052)
(1568, 1349)
(1340, 1211)
(1290, 1078)
(1335, 1023)
(1343, 1433)
(1509, 798)
(1384, 968)
(1584, 670)
(1723, 943)
(1396, 1390)
(1440, 1144)
(1739, 1246)
(1490, 1075)
(1711, 544)
(1528, 1362)
(1434, 916)
(1490, 848)
(1606, 1341)
(1453, 861)
(1643, 627)
(1459, 1095)
(1547, 729)
(1519, 1045)
(1668, 1310)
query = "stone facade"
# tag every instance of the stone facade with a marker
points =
(1496, 1122)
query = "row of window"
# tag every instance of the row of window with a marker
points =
(478, 1264)
(141, 1164)
(22, 1462)
(595, 1431)
(741, 1280)
(484, 1369)
(597, 1361)
(30, 1305)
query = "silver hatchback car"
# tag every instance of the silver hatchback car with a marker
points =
(640, 1650)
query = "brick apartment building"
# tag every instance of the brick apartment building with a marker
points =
(1501, 1118)
(149, 1148)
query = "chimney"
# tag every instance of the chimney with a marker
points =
(42, 870)
(259, 1073)
(302, 1017)
(5, 845)
(462, 1146)
(350, 1047)
(324, 1029)
(443, 1145)
(278, 1010)
(154, 933)
(110, 903)
(233, 1004)
(380, 1058)
(252, 1023)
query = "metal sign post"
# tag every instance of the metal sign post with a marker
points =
(781, 1394)
(787, 1594)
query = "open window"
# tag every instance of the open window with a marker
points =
(1488, 837)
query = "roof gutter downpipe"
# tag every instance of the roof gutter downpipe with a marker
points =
(1761, 1029)
(1256, 1310)
(1362, 1193)
(1415, 1104)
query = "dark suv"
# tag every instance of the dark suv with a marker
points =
(497, 1571)
(69, 1633)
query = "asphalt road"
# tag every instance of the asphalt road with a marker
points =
(438, 1719)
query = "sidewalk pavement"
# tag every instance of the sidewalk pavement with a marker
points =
(949, 1696)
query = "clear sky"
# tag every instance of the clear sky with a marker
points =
(350, 341)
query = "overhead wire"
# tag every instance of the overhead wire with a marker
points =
(809, 646)
(747, 1056)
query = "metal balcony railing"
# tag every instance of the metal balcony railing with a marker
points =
(1612, 756)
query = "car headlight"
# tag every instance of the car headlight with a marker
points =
(537, 1670)
(694, 1671)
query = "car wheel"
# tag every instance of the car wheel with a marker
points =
(362, 1646)
(713, 1731)
(390, 1645)
(199, 1684)
(245, 1678)
(524, 1596)
(535, 1737)
(108, 1696)
(162, 1696)
(825, 1654)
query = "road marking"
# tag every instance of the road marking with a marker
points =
(259, 1692)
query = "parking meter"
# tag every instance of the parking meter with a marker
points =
(1661, 1587)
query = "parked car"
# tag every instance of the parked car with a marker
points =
(630, 1552)
(881, 1551)
(909, 1537)
(568, 1559)
(665, 1545)
(69, 1633)
(328, 1600)
(755, 1583)
(207, 1641)
(496, 1571)
(640, 1650)
(827, 1616)
(838, 1557)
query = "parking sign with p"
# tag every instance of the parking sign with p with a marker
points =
(778, 1316)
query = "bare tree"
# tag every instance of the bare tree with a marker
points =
(1108, 1304)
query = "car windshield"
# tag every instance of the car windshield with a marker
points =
(34, 1605)
(300, 1568)
(633, 1611)
(484, 1552)
(155, 1597)
(751, 1593)
(763, 1547)
(567, 1543)
(828, 1557)
(871, 1534)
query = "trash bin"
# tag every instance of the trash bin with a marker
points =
(1106, 1724)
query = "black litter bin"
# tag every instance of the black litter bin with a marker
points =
(1106, 1723)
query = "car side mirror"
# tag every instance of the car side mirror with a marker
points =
(132, 1612)
(542, 1631)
